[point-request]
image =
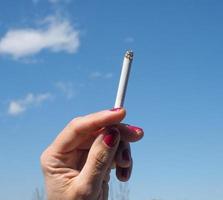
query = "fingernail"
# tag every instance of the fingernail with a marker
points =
(135, 128)
(115, 109)
(126, 155)
(111, 137)
(125, 172)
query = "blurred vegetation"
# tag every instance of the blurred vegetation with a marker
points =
(39, 194)
(118, 191)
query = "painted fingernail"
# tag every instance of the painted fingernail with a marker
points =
(126, 155)
(111, 137)
(125, 172)
(115, 109)
(134, 128)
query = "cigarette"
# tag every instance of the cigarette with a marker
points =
(123, 82)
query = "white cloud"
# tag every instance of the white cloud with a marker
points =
(99, 75)
(129, 39)
(66, 88)
(54, 35)
(17, 107)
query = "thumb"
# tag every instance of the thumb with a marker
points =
(100, 157)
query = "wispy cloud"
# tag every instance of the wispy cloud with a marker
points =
(66, 88)
(19, 106)
(54, 34)
(35, 1)
(108, 75)
(100, 75)
(59, 1)
(129, 39)
(53, 1)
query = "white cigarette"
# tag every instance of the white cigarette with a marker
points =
(123, 82)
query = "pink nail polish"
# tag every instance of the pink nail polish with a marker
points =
(115, 109)
(110, 138)
(135, 129)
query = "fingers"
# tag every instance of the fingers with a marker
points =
(130, 133)
(123, 155)
(123, 174)
(79, 129)
(100, 158)
(123, 161)
(105, 188)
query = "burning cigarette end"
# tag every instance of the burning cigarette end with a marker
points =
(123, 82)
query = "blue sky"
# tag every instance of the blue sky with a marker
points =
(62, 58)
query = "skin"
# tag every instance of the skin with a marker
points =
(77, 164)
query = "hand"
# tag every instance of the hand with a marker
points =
(77, 164)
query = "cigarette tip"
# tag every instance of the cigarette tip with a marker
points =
(129, 54)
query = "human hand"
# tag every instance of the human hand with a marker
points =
(77, 164)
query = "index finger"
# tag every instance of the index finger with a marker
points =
(79, 129)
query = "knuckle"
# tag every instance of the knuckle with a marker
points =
(101, 160)
(107, 178)
(76, 124)
(43, 160)
(95, 124)
(84, 191)
(75, 121)
(46, 160)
